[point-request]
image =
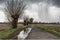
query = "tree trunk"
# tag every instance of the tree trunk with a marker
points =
(14, 22)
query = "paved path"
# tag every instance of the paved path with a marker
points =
(37, 33)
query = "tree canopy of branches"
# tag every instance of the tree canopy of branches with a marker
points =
(31, 20)
(14, 10)
(26, 21)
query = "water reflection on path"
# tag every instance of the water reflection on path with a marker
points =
(22, 35)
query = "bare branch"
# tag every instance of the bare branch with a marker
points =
(14, 9)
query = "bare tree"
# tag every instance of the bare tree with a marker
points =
(31, 20)
(14, 10)
(26, 20)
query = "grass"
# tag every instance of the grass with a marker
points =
(7, 32)
(54, 30)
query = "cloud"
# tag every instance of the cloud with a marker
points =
(41, 10)
(2, 16)
(54, 13)
(53, 2)
(56, 3)
(32, 12)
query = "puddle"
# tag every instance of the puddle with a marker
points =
(22, 35)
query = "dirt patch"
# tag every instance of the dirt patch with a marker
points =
(4, 26)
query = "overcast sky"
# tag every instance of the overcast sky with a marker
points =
(40, 10)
